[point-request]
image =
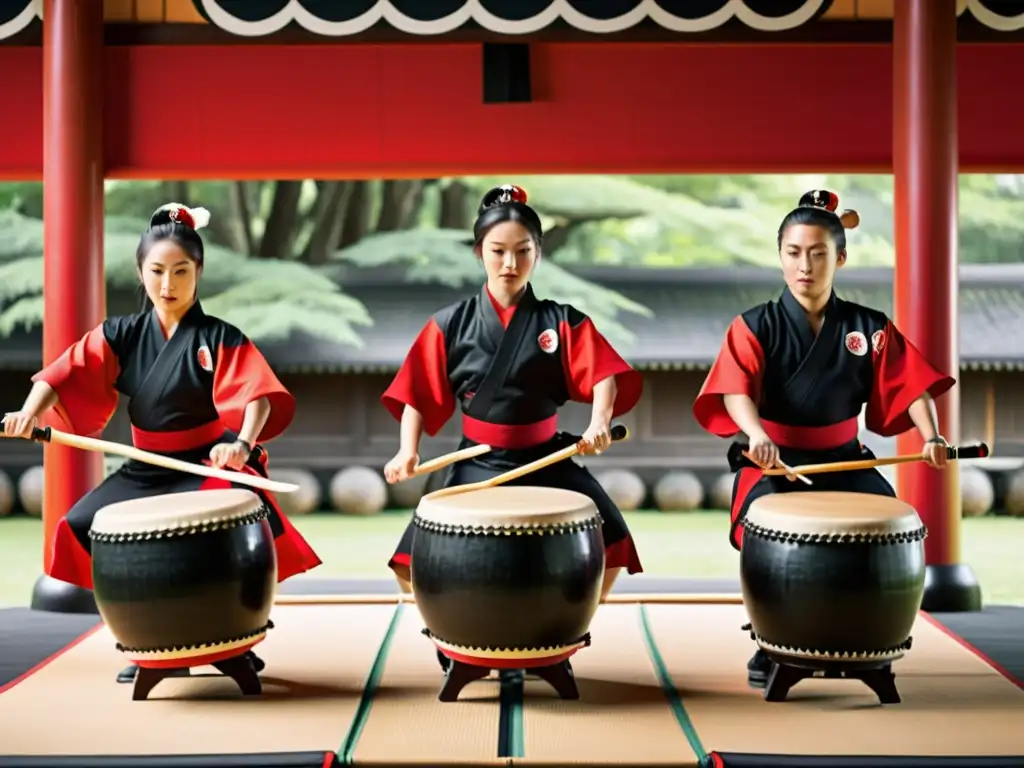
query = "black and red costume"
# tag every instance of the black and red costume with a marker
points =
(810, 391)
(186, 394)
(508, 371)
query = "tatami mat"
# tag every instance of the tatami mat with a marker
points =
(621, 717)
(661, 685)
(406, 723)
(953, 702)
(317, 660)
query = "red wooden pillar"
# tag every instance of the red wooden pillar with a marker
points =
(74, 296)
(926, 280)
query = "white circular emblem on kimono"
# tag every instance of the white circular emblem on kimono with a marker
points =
(857, 343)
(205, 358)
(878, 341)
(548, 341)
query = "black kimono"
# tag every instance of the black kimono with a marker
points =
(509, 371)
(810, 392)
(187, 394)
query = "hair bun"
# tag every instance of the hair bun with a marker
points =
(820, 198)
(503, 195)
(176, 213)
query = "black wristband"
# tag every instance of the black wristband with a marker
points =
(248, 446)
(938, 440)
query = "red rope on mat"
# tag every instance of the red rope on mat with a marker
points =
(52, 658)
(950, 633)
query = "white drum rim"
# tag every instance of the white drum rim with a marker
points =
(888, 654)
(509, 508)
(199, 650)
(510, 653)
(832, 515)
(190, 511)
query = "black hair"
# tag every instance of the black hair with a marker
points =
(175, 223)
(817, 208)
(506, 203)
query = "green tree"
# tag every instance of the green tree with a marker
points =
(268, 300)
(274, 247)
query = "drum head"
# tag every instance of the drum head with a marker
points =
(174, 511)
(508, 506)
(830, 513)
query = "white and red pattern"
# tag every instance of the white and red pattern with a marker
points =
(857, 343)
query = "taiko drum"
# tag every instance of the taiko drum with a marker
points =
(508, 576)
(185, 579)
(832, 577)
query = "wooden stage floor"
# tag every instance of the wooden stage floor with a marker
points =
(350, 680)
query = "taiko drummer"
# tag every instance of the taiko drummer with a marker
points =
(794, 375)
(198, 389)
(508, 361)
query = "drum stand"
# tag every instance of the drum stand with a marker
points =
(787, 671)
(558, 675)
(239, 668)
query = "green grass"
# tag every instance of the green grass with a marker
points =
(689, 544)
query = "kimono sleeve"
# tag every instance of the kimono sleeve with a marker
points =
(738, 370)
(588, 359)
(422, 381)
(901, 376)
(83, 378)
(241, 375)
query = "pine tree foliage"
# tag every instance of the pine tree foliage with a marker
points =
(268, 299)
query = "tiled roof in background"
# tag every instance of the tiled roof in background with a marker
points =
(692, 309)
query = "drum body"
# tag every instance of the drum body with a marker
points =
(187, 578)
(832, 577)
(508, 576)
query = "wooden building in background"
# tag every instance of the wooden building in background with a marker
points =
(340, 423)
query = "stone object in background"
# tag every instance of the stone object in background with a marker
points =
(407, 494)
(303, 501)
(358, 491)
(976, 491)
(1015, 494)
(720, 493)
(624, 487)
(678, 491)
(30, 491)
(6, 494)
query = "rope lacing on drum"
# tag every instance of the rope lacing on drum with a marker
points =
(880, 537)
(213, 645)
(184, 529)
(831, 654)
(584, 641)
(552, 529)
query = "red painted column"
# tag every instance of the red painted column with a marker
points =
(926, 278)
(74, 296)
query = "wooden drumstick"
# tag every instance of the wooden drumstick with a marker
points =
(450, 458)
(953, 453)
(618, 433)
(50, 435)
(784, 469)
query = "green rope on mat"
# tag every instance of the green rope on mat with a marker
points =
(348, 746)
(511, 739)
(675, 701)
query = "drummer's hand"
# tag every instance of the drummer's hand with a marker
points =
(763, 451)
(936, 454)
(230, 455)
(401, 466)
(597, 437)
(19, 424)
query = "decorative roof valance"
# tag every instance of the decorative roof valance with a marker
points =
(347, 18)
(332, 18)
